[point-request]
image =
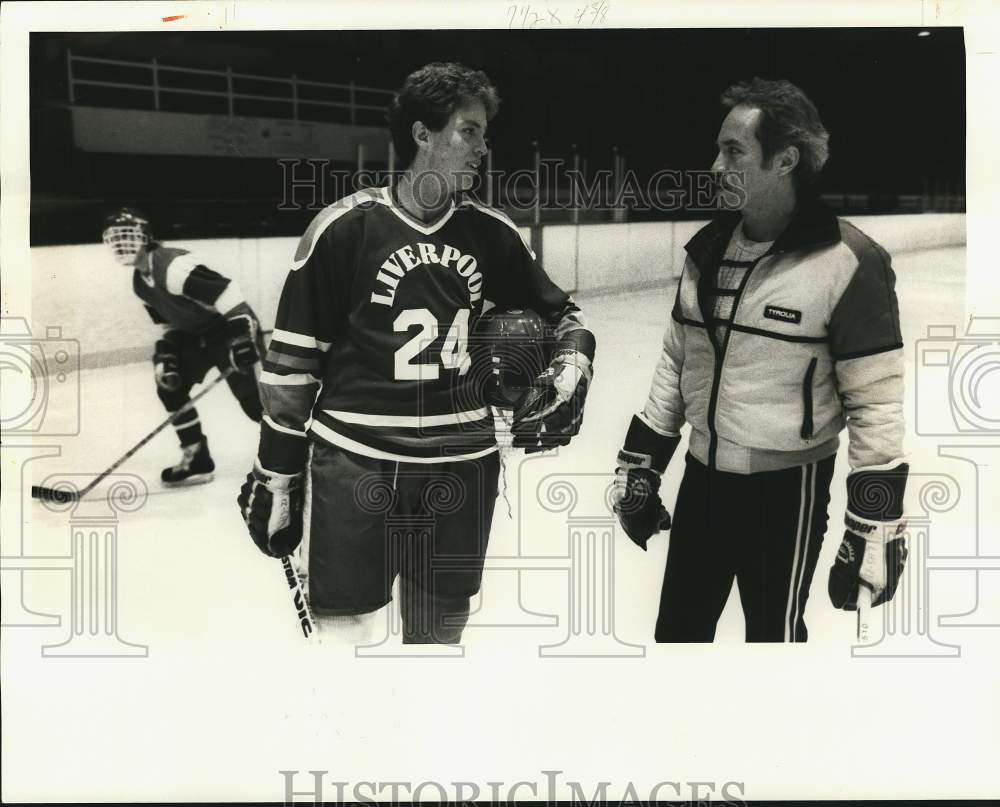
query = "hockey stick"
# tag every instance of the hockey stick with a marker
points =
(864, 613)
(65, 496)
(299, 599)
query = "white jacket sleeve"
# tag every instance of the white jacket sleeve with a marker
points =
(664, 409)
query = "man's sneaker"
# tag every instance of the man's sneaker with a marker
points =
(195, 467)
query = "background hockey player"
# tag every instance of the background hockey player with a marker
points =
(206, 323)
(375, 318)
(785, 327)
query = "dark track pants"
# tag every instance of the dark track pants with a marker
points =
(764, 530)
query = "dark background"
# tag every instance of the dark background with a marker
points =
(893, 101)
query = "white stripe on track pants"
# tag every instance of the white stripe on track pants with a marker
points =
(762, 530)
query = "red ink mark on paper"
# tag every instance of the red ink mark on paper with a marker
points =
(174, 18)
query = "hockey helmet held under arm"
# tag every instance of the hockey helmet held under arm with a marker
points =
(511, 347)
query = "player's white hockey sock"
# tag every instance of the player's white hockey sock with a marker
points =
(347, 629)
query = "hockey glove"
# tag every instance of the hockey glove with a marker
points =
(241, 333)
(636, 493)
(873, 552)
(167, 365)
(271, 505)
(550, 412)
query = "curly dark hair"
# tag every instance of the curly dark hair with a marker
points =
(431, 94)
(788, 118)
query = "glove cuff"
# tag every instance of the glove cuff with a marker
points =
(569, 368)
(239, 325)
(875, 501)
(579, 340)
(646, 448)
(877, 532)
(575, 358)
(283, 449)
(274, 481)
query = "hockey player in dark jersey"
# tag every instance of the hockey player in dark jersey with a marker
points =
(369, 365)
(205, 321)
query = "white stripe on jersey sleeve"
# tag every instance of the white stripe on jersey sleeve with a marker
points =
(279, 428)
(292, 379)
(231, 297)
(299, 339)
(177, 273)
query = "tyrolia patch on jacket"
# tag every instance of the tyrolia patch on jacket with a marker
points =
(783, 314)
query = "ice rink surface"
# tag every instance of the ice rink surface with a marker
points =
(199, 526)
(217, 618)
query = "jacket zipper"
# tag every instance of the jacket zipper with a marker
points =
(720, 357)
(807, 401)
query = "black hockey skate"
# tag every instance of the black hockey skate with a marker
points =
(195, 467)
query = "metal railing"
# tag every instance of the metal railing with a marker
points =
(294, 97)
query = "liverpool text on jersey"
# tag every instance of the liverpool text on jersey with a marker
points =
(406, 259)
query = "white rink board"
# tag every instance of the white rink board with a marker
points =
(82, 291)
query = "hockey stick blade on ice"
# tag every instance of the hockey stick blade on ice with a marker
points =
(64, 496)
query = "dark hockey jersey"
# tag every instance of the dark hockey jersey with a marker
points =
(179, 292)
(371, 347)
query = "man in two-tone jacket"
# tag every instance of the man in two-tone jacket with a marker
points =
(785, 329)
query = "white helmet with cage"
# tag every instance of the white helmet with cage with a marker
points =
(126, 232)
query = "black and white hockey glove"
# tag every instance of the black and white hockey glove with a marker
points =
(636, 493)
(167, 364)
(241, 333)
(271, 505)
(550, 413)
(873, 552)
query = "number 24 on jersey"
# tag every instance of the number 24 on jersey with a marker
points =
(454, 351)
